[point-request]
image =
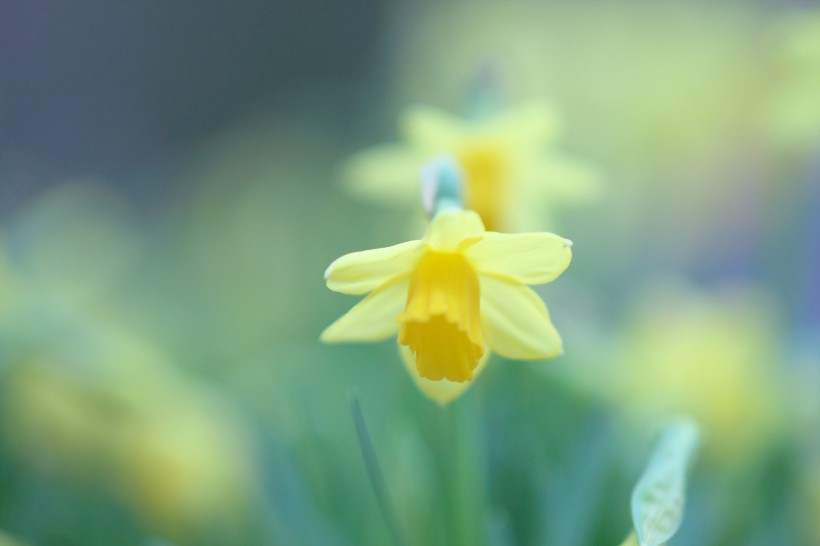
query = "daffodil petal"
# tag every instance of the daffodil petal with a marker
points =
(560, 177)
(373, 318)
(516, 322)
(385, 173)
(453, 230)
(430, 128)
(361, 272)
(532, 124)
(442, 392)
(529, 258)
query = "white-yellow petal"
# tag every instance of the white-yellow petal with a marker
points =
(431, 129)
(373, 318)
(387, 173)
(443, 391)
(529, 258)
(560, 178)
(453, 230)
(532, 124)
(361, 272)
(516, 322)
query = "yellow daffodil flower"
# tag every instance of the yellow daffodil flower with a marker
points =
(795, 108)
(512, 171)
(174, 453)
(709, 354)
(452, 297)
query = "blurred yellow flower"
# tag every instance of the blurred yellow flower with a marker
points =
(710, 355)
(513, 175)
(451, 296)
(795, 104)
(111, 410)
(185, 466)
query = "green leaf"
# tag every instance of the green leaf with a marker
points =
(659, 496)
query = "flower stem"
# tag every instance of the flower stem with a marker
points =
(463, 470)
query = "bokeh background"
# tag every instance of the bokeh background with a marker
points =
(171, 191)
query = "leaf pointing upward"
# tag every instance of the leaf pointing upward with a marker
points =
(659, 496)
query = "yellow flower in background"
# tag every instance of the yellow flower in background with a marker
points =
(795, 107)
(186, 466)
(709, 354)
(451, 297)
(174, 452)
(512, 172)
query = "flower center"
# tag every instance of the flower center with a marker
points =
(485, 169)
(441, 323)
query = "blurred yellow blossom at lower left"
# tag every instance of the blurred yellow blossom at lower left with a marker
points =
(117, 415)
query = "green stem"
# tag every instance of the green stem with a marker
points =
(463, 472)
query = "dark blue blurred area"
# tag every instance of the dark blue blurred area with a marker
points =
(94, 88)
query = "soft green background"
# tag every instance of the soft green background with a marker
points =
(161, 379)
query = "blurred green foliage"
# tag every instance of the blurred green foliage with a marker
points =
(161, 379)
